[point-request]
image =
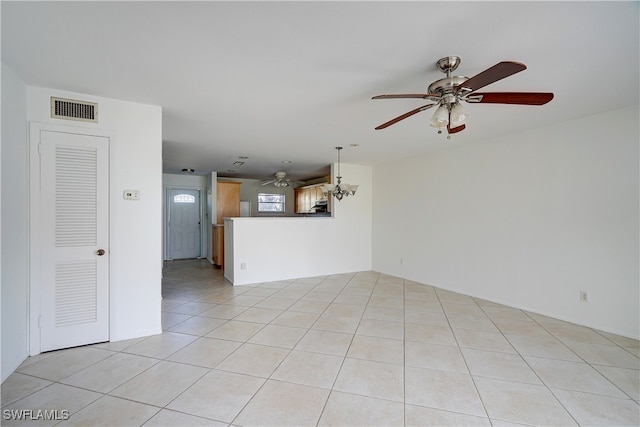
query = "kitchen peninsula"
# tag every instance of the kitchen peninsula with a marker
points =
(259, 249)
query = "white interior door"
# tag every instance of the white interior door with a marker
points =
(184, 223)
(74, 226)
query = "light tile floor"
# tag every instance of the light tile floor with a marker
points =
(350, 349)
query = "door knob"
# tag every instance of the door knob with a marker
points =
(100, 252)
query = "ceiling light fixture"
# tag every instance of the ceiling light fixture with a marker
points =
(339, 190)
(458, 115)
(441, 117)
(450, 113)
(447, 93)
(188, 171)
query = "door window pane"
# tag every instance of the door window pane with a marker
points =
(184, 198)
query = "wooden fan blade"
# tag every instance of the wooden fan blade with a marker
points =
(404, 116)
(407, 95)
(492, 75)
(522, 98)
(456, 129)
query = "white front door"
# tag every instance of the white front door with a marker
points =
(184, 223)
(74, 248)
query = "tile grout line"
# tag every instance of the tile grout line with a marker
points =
(473, 380)
(579, 357)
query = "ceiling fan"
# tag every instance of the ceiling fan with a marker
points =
(280, 180)
(448, 93)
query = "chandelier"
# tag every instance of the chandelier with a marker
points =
(339, 190)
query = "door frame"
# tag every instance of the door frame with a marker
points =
(34, 208)
(165, 219)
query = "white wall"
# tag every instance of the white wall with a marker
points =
(193, 182)
(527, 220)
(135, 226)
(14, 215)
(186, 181)
(285, 248)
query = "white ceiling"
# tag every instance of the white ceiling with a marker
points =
(281, 81)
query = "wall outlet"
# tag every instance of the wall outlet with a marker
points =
(243, 266)
(584, 296)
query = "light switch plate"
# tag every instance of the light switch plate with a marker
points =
(131, 195)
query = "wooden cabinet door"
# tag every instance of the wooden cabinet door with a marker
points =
(297, 200)
(227, 206)
(218, 245)
(302, 200)
(227, 200)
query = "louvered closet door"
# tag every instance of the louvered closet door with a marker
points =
(75, 245)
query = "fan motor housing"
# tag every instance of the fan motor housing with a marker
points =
(446, 85)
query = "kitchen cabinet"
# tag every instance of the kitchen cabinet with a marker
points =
(301, 200)
(227, 206)
(227, 200)
(217, 244)
(306, 198)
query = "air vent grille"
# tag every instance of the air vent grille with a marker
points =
(70, 109)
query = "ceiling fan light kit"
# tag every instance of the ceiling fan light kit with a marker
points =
(449, 92)
(458, 115)
(339, 190)
(440, 117)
